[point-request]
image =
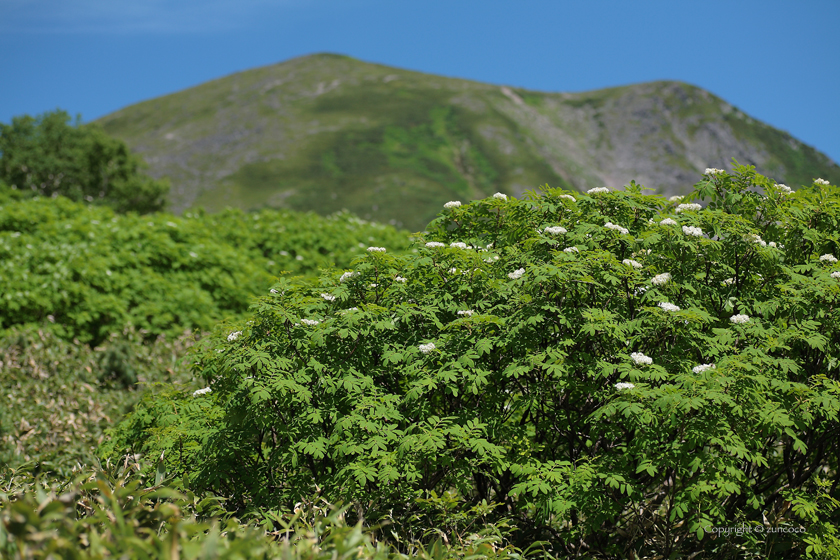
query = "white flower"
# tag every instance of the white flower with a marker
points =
(376, 249)
(785, 189)
(639, 291)
(202, 392)
(571, 250)
(434, 244)
(692, 230)
(173, 224)
(466, 312)
(426, 348)
(729, 281)
(309, 322)
(828, 258)
(299, 258)
(348, 310)
(772, 244)
(713, 171)
(458, 245)
(568, 197)
(610, 225)
(631, 262)
(500, 196)
(233, 336)
(516, 274)
(374, 285)
(668, 306)
(754, 238)
(555, 230)
(273, 291)
(667, 222)
(452, 204)
(328, 297)
(676, 198)
(622, 386)
(836, 274)
(640, 359)
(660, 279)
(688, 208)
(821, 182)
(399, 279)
(597, 190)
(347, 276)
(453, 271)
(492, 259)
(740, 319)
(702, 367)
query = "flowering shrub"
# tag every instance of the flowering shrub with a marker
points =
(614, 410)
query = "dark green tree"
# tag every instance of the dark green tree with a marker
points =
(52, 155)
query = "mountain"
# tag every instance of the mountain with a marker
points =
(326, 132)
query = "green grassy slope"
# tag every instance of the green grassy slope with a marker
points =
(327, 132)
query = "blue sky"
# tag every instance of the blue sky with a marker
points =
(778, 61)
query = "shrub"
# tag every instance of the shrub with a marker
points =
(622, 375)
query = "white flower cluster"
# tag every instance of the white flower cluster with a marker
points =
(343, 311)
(500, 196)
(328, 297)
(631, 262)
(676, 198)
(660, 279)
(233, 336)
(836, 274)
(785, 189)
(273, 291)
(399, 279)
(755, 238)
(729, 281)
(692, 230)
(828, 258)
(516, 274)
(568, 197)
(466, 312)
(822, 182)
(713, 171)
(597, 190)
(309, 322)
(668, 306)
(667, 222)
(426, 348)
(202, 392)
(434, 244)
(555, 230)
(610, 225)
(640, 359)
(571, 250)
(702, 367)
(692, 207)
(494, 258)
(772, 244)
(347, 276)
(452, 204)
(740, 319)
(622, 386)
(458, 245)
(376, 249)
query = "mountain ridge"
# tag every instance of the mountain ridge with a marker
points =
(326, 132)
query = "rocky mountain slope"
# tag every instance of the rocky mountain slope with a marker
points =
(326, 132)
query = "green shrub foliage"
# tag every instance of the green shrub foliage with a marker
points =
(619, 372)
(48, 155)
(87, 272)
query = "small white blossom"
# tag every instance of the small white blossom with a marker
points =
(740, 319)
(571, 250)
(755, 238)
(500, 196)
(688, 208)
(434, 244)
(494, 258)
(631, 262)
(668, 306)
(452, 204)
(676, 198)
(453, 271)
(555, 230)
(836, 274)
(772, 244)
(273, 291)
(399, 279)
(233, 336)
(640, 359)
(597, 190)
(376, 249)
(622, 386)
(667, 222)
(713, 171)
(466, 312)
(299, 258)
(374, 285)
(702, 367)
(828, 258)
(347, 276)
(568, 197)
(610, 225)
(328, 297)
(729, 281)
(201, 392)
(660, 279)
(426, 348)
(309, 322)
(458, 245)
(784, 189)
(692, 230)
(516, 274)
(822, 182)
